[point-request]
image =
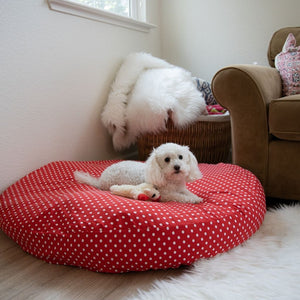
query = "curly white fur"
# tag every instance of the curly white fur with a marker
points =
(169, 167)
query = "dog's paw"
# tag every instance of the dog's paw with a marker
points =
(196, 200)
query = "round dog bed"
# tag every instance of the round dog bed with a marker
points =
(54, 218)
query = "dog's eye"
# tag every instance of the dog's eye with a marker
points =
(167, 159)
(153, 195)
(180, 156)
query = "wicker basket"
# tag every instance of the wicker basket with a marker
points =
(209, 140)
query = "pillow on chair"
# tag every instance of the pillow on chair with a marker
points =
(287, 63)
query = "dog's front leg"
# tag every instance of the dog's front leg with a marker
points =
(193, 198)
(183, 197)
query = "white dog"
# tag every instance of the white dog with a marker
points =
(169, 167)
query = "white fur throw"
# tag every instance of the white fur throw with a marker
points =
(144, 93)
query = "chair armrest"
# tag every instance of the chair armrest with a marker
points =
(246, 91)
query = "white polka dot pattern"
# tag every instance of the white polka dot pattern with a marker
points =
(60, 221)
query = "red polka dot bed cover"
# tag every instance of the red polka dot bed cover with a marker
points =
(53, 217)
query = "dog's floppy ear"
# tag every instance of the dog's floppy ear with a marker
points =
(153, 172)
(194, 169)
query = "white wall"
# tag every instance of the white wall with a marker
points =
(204, 36)
(56, 70)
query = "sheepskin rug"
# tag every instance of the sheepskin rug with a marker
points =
(145, 93)
(267, 266)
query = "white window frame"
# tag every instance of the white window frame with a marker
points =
(138, 9)
(135, 22)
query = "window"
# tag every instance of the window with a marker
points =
(126, 13)
(120, 7)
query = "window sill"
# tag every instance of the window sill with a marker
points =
(83, 11)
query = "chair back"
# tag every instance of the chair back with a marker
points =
(277, 42)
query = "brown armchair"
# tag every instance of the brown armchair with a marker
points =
(265, 126)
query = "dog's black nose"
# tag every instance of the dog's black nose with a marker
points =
(177, 168)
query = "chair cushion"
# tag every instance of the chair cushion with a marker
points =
(54, 218)
(284, 116)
